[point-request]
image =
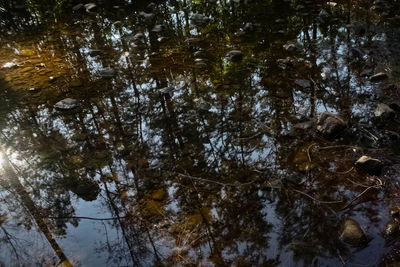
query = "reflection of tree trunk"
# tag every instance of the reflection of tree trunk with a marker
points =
(33, 210)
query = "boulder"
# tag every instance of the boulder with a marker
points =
(330, 124)
(370, 165)
(384, 111)
(352, 233)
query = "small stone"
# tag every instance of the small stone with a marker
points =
(234, 56)
(290, 47)
(90, 7)
(107, 73)
(378, 77)
(157, 28)
(77, 7)
(304, 125)
(284, 63)
(167, 91)
(66, 104)
(202, 104)
(199, 53)
(138, 37)
(332, 4)
(391, 229)
(323, 16)
(370, 165)
(303, 83)
(384, 111)
(352, 233)
(94, 52)
(162, 39)
(199, 19)
(147, 16)
(330, 124)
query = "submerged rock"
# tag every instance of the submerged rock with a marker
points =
(67, 104)
(147, 16)
(290, 47)
(90, 7)
(303, 83)
(384, 111)
(330, 124)
(157, 28)
(391, 229)
(352, 233)
(94, 52)
(370, 165)
(234, 56)
(199, 19)
(378, 77)
(107, 73)
(77, 7)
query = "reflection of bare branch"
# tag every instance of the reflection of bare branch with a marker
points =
(317, 200)
(9, 240)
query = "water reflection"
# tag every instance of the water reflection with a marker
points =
(179, 155)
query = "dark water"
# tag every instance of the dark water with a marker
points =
(183, 157)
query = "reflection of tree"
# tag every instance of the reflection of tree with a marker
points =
(192, 166)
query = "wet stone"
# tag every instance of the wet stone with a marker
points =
(147, 16)
(94, 52)
(378, 77)
(77, 7)
(330, 124)
(384, 111)
(352, 233)
(67, 104)
(370, 165)
(90, 7)
(290, 47)
(303, 83)
(391, 229)
(157, 28)
(284, 63)
(108, 73)
(199, 19)
(234, 56)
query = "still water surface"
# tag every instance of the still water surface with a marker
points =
(177, 154)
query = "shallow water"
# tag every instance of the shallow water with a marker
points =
(179, 156)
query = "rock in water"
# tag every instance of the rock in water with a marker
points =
(378, 77)
(107, 73)
(94, 52)
(303, 83)
(66, 104)
(199, 19)
(234, 56)
(90, 7)
(384, 111)
(352, 233)
(330, 124)
(391, 229)
(370, 165)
